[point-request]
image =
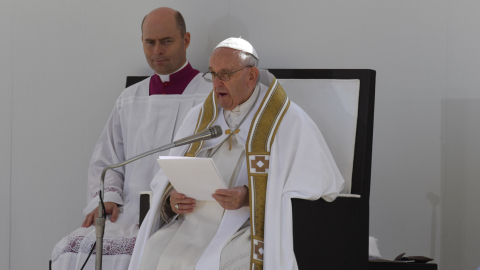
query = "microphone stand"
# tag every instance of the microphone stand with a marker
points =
(207, 134)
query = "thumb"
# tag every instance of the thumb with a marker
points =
(115, 211)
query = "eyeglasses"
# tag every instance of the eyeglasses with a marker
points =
(223, 76)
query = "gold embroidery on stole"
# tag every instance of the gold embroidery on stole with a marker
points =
(260, 139)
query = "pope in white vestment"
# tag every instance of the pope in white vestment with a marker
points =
(270, 147)
(146, 116)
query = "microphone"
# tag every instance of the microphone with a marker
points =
(207, 134)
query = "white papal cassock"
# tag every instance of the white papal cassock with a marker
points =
(300, 165)
(138, 123)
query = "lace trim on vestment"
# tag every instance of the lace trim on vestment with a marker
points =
(82, 244)
(110, 189)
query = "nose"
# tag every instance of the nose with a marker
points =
(158, 49)
(216, 81)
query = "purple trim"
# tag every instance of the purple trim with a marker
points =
(177, 84)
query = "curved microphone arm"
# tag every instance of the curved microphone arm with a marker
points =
(207, 134)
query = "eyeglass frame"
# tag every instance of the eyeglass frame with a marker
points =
(215, 74)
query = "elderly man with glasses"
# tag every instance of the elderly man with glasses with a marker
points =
(270, 153)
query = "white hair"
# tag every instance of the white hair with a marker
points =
(248, 60)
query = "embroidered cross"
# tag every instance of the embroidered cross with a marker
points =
(228, 131)
(259, 250)
(260, 164)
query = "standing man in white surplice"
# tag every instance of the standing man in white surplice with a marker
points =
(146, 116)
(270, 152)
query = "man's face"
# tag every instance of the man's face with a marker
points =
(239, 88)
(164, 47)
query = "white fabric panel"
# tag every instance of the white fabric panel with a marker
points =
(333, 106)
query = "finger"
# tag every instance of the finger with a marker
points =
(184, 211)
(223, 198)
(218, 198)
(224, 192)
(88, 220)
(183, 208)
(85, 221)
(114, 216)
(177, 195)
(228, 206)
(109, 207)
(95, 216)
(179, 199)
(185, 201)
(229, 192)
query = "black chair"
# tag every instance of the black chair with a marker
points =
(333, 235)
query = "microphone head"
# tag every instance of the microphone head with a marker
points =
(215, 131)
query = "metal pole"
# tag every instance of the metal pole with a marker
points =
(100, 229)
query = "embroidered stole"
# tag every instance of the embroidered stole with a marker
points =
(260, 139)
(258, 146)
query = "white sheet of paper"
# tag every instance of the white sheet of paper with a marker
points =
(197, 178)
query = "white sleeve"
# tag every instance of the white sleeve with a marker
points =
(108, 150)
(301, 166)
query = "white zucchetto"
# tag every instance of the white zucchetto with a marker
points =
(238, 44)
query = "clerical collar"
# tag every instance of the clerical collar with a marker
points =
(234, 116)
(166, 78)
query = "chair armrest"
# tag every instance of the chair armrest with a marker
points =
(145, 201)
(331, 235)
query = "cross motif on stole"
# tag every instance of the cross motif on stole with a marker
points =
(260, 164)
(258, 250)
(228, 131)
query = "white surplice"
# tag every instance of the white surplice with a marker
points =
(138, 123)
(301, 166)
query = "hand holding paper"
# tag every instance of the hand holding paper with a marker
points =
(233, 198)
(185, 205)
(196, 178)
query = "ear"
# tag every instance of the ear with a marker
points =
(186, 40)
(253, 76)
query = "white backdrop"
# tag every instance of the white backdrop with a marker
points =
(63, 64)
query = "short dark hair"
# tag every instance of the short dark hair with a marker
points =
(178, 20)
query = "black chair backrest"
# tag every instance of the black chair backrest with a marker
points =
(364, 128)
